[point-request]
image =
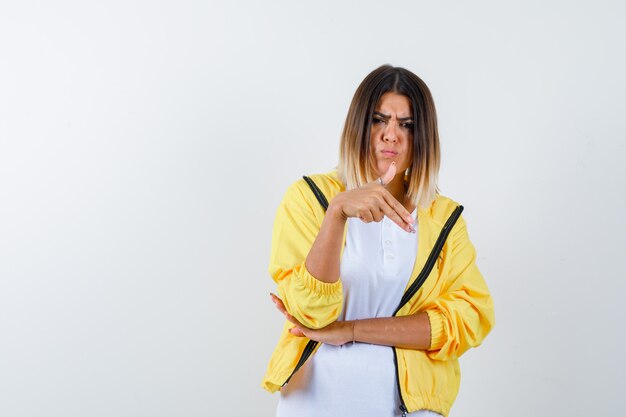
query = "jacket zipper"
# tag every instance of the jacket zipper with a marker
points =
(402, 405)
(311, 344)
(412, 290)
(308, 349)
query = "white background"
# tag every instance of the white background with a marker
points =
(145, 146)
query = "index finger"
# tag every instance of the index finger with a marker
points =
(281, 307)
(397, 213)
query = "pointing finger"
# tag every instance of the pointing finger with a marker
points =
(398, 214)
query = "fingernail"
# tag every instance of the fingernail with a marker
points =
(409, 219)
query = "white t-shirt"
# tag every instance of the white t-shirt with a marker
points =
(359, 379)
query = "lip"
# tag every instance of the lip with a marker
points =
(389, 153)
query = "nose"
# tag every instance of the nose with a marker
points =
(390, 133)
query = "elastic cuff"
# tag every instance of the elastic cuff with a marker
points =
(437, 329)
(317, 286)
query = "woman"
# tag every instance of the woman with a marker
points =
(384, 339)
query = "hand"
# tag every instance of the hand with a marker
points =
(372, 202)
(336, 333)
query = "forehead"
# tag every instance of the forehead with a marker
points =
(394, 104)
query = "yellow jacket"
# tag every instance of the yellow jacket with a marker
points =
(454, 296)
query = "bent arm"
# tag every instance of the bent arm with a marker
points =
(409, 332)
(305, 258)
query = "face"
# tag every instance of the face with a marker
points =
(391, 136)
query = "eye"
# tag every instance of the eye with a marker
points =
(376, 121)
(407, 125)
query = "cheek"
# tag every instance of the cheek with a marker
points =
(376, 134)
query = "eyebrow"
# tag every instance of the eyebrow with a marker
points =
(387, 117)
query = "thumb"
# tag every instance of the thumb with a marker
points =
(390, 174)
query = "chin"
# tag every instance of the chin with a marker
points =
(384, 164)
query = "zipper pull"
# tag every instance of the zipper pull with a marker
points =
(403, 409)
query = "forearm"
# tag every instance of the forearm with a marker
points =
(410, 332)
(323, 260)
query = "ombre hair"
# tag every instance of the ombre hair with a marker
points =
(356, 160)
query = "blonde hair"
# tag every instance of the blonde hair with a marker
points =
(356, 161)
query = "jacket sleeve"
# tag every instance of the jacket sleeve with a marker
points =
(312, 302)
(463, 314)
